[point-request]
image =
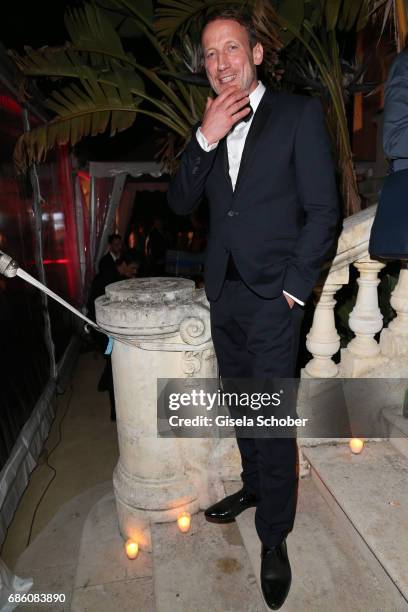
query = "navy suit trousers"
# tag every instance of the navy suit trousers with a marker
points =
(258, 338)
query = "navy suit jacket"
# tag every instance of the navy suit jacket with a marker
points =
(395, 133)
(280, 222)
(107, 264)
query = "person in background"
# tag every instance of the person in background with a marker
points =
(395, 132)
(157, 243)
(136, 246)
(107, 262)
(125, 267)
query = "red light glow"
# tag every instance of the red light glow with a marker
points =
(10, 105)
(47, 262)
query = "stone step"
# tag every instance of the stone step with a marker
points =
(206, 569)
(105, 578)
(396, 428)
(369, 496)
(329, 572)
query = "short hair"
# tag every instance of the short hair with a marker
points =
(113, 237)
(237, 13)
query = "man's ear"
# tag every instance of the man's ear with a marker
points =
(257, 54)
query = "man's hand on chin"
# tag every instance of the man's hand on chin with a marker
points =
(223, 112)
(289, 301)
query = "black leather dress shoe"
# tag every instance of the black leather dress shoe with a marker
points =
(228, 508)
(276, 575)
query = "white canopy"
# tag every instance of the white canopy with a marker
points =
(135, 169)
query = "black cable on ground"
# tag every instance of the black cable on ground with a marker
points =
(71, 390)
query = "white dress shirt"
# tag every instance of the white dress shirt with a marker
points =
(235, 145)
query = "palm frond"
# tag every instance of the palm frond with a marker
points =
(270, 33)
(50, 62)
(93, 38)
(90, 29)
(80, 111)
(128, 10)
(332, 10)
(120, 15)
(200, 80)
(175, 17)
(68, 62)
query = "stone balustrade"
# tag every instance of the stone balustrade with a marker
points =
(364, 353)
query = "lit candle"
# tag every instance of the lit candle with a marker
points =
(184, 522)
(132, 549)
(356, 445)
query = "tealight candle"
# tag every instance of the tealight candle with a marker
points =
(132, 549)
(184, 522)
(356, 445)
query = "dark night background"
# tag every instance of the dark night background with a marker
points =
(37, 24)
(40, 23)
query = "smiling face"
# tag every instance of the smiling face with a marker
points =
(228, 56)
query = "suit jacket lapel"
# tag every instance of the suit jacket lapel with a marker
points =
(224, 160)
(263, 113)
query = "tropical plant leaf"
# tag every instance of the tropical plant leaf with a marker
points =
(176, 16)
(50, 62)
(70, 63)
(93, 37)
(90, 28)
(291, 11)
(378, 8)
(200, 80)
(364, 15)
(121, 14)
(354, 7)
(66, 62)
(332, 9)
(314, 11)
(277, 22)
(85, 110)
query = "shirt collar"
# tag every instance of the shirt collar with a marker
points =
(256, 96)
(242, 127)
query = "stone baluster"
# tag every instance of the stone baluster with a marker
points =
(323, 341)
(363, 352)
(394, 338)
(365, 318)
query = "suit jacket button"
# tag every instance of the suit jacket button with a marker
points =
(230, 213)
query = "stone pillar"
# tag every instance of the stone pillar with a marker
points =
(365, 318)
(323, 341)
(167, 327)
(394, 338)
(363, 352)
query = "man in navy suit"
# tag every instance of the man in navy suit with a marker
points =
(263, 161)
(107, 263)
